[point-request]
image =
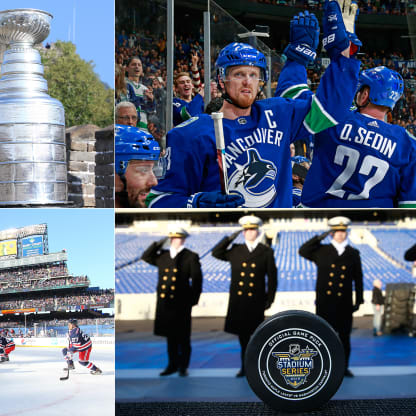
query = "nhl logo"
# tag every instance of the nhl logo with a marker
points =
(242, 121)
(295, 361)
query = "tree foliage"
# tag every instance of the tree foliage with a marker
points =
(73, 82)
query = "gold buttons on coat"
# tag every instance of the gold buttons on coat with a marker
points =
(250, 294)
(330, 283)
(252, 274)
(341, 284)
(251, 284)
(328, 292)
(331, 274)
(165, 278)
(242, 274)
(339, 294)
(166, 270)
(173, 278)
(253, 265)
(162, 295)
(171, 296)
(342, 276)
(344, 267)
(239, 293)
(172, 287)
(175, 270)
(241, 283)
(163, 286)
(244, 264)
(333, 266)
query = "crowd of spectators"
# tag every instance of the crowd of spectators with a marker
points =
(38, 277)
(390, 7)
(87, 299)
(45, 283)
(150, 46)
(404, 113)
(33, 272)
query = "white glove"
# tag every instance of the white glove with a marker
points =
(349, 10)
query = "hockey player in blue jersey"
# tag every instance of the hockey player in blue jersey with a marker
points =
(363, 161)
(79, 343)
(136, 165)
(257, 133)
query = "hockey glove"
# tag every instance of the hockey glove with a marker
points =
(304, 38)
(349, 14)
(215, 199)
(336, 38)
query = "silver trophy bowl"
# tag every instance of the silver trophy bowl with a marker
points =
(33, 167)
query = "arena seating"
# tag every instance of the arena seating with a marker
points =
(295, 272)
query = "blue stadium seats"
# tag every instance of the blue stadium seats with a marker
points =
(295, 272)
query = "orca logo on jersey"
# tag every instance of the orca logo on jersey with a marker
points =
(254, 180)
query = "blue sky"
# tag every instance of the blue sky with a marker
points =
(94, 28)
(86, 234)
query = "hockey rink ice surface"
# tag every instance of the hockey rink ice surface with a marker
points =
(31, 385)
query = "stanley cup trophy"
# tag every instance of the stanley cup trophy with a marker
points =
(33, 168)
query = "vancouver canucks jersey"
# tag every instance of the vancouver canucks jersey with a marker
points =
(78, 341)
(362, 162)
(257, 151)
(184, 110)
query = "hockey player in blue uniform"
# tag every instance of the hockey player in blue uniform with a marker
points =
(363, 161)
(79, 343)
(257, 133)
(137, 165)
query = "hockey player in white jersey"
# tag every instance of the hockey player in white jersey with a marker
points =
(257, 133)
(363, 161)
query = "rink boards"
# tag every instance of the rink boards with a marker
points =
(60, 342)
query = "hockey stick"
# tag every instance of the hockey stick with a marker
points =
(219, 140)
(67, 375)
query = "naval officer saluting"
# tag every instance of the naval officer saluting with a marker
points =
(339, 266)
(250, 293)
(178, 290)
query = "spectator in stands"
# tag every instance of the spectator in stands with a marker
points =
(339, 265)
(186, 104)
(126, 114)
(250, 295)
(136, 153)
(145, 103)
(378, 307)
(178, 290)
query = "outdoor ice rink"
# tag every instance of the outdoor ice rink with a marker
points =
(31, 385)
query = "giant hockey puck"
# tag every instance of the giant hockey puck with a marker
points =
(295, 361)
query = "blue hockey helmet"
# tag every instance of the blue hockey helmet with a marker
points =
(73, 321)
(240, 54)
(132, 143)
(386, 85)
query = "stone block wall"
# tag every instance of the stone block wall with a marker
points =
(90, 156)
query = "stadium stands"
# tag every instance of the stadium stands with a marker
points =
(295, 272)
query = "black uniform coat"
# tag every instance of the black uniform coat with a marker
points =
(178, 289)
(334, 281)
(248, 291)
